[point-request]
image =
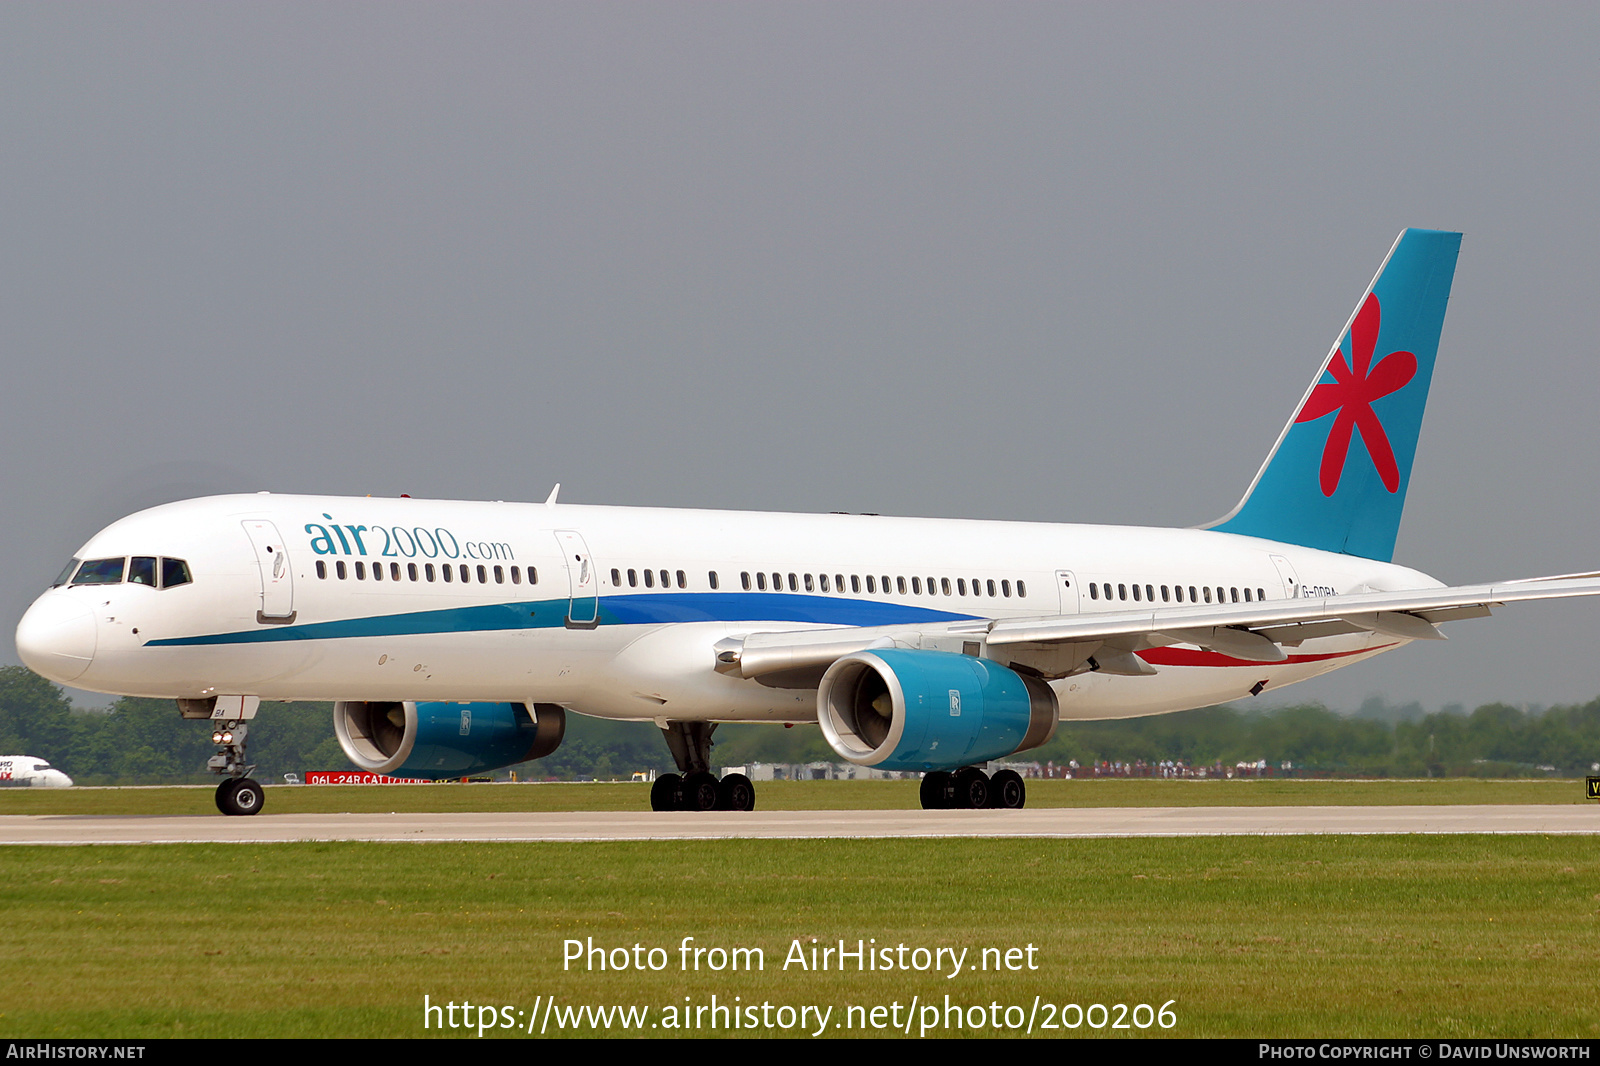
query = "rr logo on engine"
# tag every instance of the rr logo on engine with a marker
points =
(955, 703)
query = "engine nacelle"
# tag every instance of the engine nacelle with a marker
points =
(931, 710)
(445, 739)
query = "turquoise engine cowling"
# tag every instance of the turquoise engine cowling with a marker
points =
(896, 709)
(439, 740)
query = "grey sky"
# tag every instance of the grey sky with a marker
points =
(1042, 262)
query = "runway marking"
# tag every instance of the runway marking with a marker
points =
(1062, 822)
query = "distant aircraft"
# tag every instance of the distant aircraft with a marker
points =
(454, 636)
(28, 771)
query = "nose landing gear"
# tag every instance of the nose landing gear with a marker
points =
(238, 794)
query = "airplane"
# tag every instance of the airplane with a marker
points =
(453, 637)
(25, 770)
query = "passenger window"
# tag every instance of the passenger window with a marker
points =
(633, 579)
(1106, 588)
(1193, 599)
(1094, 591)
(322, 569)
(616, 576)
(761, 580)
(377, 571)
(175, 572)
(916, 586)
(838, 582)
(1235, 595)
(411, 572)
(466, 574)
(1122, 592)
(683, 582)
(944, 585)
(900, 583)
(991, 586)
(142, 570)
(483, 574)
(744, 579)
(516, 576)
(533, 575)
(1022, 590)
(448, 572)
(1136, 592)
(822, 582)
(100, 572)
(809, 586)
(1150, 593)
(711, 579)
(338, 569)
(1247, 595)
(1005, 587)
(961, 586)
(777, 582)
(1261, 594)
(499, 575)
(361, 570)
(794, 584)
(1163, 594)
(855, 583)
(1208, 593)
(649, 579)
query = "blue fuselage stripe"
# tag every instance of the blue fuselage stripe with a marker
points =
(639, 609)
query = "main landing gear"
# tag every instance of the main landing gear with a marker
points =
(969, 788)
(697, 788)
(237, 794)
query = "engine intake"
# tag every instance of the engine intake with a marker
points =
(445, 739)
(931, 710)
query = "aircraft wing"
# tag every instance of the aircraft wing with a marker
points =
(1059, 645)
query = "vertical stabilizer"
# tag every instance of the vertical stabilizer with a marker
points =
(1337, 477)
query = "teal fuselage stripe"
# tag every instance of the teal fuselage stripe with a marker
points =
(641, 609)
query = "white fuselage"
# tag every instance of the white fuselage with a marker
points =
(548, 612)
(26, 771)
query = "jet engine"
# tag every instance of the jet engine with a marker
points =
(931, 710)
(445, 739)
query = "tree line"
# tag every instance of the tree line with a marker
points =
(143, 741)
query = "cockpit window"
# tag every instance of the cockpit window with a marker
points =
(66, 574)
(174, 572)
(100, 572)
(142, 570)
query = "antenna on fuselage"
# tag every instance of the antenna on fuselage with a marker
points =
(550, 501)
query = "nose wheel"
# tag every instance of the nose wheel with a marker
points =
(238, 794)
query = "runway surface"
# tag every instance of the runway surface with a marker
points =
(596, 825)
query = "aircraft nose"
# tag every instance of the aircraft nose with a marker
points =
(56, 638)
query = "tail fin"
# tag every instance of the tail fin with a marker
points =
(1337, 477)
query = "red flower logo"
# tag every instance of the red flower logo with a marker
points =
(1351, 394)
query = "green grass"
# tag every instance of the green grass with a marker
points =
(1450, 937)
(791, 795)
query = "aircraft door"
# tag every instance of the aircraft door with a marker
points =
(277, 577)
(583, 583)
(1067, 589)
(1291, 586)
